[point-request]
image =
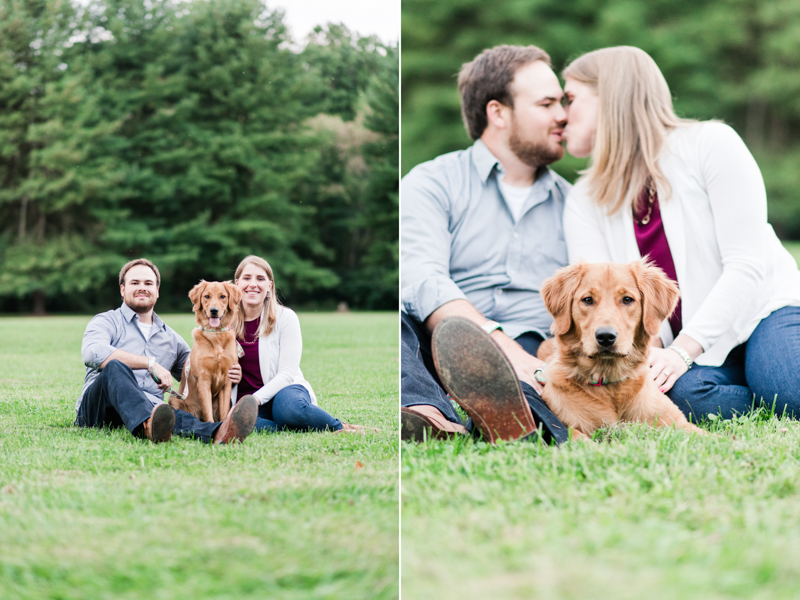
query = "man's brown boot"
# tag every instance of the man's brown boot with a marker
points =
(421, 422)
(239, 423)
(158, 428)
(478, 375)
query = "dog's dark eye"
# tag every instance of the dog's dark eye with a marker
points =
(627, 300)
(222, 297)
(207, 296)
(588, 301)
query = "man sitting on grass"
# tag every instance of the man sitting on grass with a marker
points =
(131, 357)
(481, 229)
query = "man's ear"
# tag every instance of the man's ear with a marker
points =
(497, 114)
(557, 293)
(196, 293)
(659, 294)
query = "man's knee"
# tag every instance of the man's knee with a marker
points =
(115, 367)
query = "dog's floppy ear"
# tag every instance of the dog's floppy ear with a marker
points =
(557, 293)
(659, 295)
(234, 295)
(196, 293)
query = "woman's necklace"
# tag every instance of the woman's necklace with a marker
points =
(651, 196)
(255, 335)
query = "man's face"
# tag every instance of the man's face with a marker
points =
(139, 291)
(537, 119)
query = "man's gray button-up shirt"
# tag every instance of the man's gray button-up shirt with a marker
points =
(459, 240)
(119, 330)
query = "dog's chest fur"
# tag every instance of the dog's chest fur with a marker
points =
(217, 357)
(593, 406)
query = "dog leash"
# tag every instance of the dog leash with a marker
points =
(151, 369)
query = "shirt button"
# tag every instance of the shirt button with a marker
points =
(499, 292)
(516, 235)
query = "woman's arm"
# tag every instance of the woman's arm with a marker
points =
(738, 202)
(582, 231)
(290, 343)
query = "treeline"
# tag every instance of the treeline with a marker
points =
(734, 60)
(192, 133)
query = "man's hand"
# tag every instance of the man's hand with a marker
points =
(235, 374)
(524, 364)
(164, 378)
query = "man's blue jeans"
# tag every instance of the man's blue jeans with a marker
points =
(420, 384)
(291, 408)
(115, 400)
(766, 366)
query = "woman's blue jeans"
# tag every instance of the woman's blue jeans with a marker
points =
(763, 371)
(291, 409)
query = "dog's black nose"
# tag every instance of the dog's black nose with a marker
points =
(213, 311)
(606, 336)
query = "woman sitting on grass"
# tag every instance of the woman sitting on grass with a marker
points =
(690, 195)
(270, 368)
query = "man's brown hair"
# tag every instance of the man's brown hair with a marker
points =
(139, 261)
(488, 77)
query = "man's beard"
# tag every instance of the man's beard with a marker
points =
(142, 308)
(534, 154)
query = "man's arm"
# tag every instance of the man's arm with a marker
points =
(97, 349)
(134, 361)
(524, 364)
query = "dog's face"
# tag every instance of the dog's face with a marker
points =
(215, 303)
(605, 311)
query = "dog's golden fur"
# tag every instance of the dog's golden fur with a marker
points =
(213, 352)
(632, 300)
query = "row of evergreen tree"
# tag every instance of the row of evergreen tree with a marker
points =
(734, 60)
(192, 133)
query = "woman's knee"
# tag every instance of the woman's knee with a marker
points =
(289, 404)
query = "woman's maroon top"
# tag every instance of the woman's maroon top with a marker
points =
(251, 369)
(652, 241)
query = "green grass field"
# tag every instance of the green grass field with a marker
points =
(87, 513)
(644, 513)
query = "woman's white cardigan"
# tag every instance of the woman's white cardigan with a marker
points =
(279, 358)
(732, 269)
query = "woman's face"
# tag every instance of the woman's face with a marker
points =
(582, 106)
(254, 284)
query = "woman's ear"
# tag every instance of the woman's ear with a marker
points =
(659, 294)
(557, 293)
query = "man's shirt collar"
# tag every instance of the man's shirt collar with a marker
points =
(485, 162)
(128, 313)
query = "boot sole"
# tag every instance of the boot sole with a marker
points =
(162, 424)
(478, 375)
(243, 420)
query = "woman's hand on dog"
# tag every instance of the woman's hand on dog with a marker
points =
(665, 368)
(235, 374)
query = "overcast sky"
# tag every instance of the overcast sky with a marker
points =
(367, 17)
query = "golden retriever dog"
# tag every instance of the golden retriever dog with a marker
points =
(214, 351)
(597, 369)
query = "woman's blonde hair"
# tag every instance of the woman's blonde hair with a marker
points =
(634, 117)
(270, 302)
